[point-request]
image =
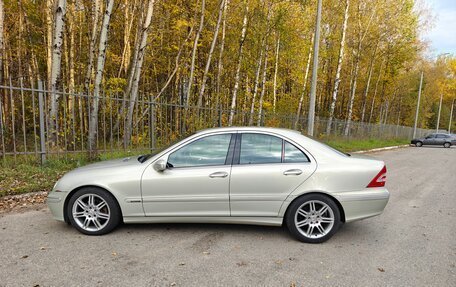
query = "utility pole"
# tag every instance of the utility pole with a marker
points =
(418, 106)
(451, 117)
(313, 87)
(438, 117)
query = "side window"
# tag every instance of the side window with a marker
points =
(293, 154)
(210, 150)
(260, 148)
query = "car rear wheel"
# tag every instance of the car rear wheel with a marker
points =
(313, 218)
(93, 211)
(447, 145)
(418, 144)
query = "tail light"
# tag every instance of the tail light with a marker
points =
(379, 180)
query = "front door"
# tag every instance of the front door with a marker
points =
(429, 140)
(195, 183)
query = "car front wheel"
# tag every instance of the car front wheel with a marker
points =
(418, 144)
(93, 211)
(313, 218)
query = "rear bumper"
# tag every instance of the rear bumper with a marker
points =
(363, 204)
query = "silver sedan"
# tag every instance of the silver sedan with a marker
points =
(239, 175)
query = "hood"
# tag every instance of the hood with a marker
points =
(109, 164)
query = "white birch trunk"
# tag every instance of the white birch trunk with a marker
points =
(195, 48)
(137, 71)
(126, 51)
(211, 51)
(255, 87)
(103, 44)
(276, 68)
(49, 29)
(263, 85)
(366, 90)
(1, 43)
(238, 65)
(375, 92)
(222, 46)
(353, 92)
(56, 65)
(306, 75)
(93, 40)
(339, 67)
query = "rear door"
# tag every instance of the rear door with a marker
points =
(440, 139)
(266, 169)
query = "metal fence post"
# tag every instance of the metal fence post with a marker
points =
(42, 131)
(152, 125)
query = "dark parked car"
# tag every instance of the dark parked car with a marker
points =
(435, 139)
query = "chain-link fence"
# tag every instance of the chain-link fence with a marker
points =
(26, 127)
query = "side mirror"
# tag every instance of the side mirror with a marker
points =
(160, 165)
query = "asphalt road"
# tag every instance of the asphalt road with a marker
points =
(413, 243)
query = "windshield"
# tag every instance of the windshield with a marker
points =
(145, 157)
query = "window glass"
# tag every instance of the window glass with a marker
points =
(431, 136)
(211, 150)
(260, 148)
(442, 136)
(293, 154)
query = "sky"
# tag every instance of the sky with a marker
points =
(442, 36)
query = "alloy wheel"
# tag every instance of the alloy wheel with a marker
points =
(91, 212)
(314, 219)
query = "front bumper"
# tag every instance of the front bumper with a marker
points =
(55, 201)
(363, 204)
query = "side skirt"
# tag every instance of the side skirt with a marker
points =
(269, 221)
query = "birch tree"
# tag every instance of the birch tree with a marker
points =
(220, 59)
(339, 68)
(137, 71)
(103, 44)
(211, 51)
(195, 49)
(362, 35)
(1, 43)
(57, 42)
(256, 83)
(276, 68)
(238, 65)
(306, 76)
(95, 12)
(263, 85)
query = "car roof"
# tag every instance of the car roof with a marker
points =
(242, 128)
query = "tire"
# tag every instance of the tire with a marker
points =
(447, 145)
(315, 227)
(93, 211)
(419, 144)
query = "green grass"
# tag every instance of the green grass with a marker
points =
(363, 144)
(26, 175)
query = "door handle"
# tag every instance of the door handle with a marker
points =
(292, 172)
(221, 174)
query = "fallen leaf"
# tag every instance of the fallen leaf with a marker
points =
(25, 256)
(114, 254)
(381, 269)
(181, 264)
